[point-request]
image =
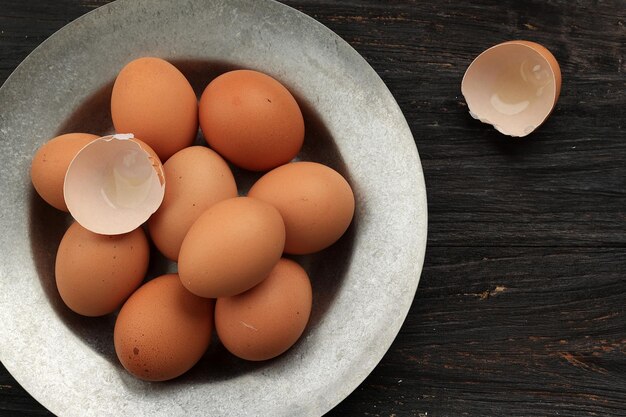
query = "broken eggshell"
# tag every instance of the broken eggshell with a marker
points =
(513, 86)
(114, 184)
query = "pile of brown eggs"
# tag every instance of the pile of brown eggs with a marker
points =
(232, 273)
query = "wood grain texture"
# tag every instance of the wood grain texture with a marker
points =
(521, 304)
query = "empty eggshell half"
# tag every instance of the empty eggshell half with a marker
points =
(513, 86)
(114, 184)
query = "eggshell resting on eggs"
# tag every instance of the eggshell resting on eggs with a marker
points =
(231, 247)
(197, 178)
(50, 165)
(162, 330)
(268, 319)
(315, 201)
(153, 100)
(513, 86)
(96, 273)
(251, 119)
(114, 184)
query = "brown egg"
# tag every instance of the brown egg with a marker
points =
(162, 330)
(154, 101)
(96, 273)
(231, 247)
(197, 178)
(50, 164)
(251, 119)
(315, 201)
(268, 319)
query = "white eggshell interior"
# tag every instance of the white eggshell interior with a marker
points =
(510, 86)
(113, 185)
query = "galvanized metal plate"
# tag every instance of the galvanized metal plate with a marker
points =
(363, 285)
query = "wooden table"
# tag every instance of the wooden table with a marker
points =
(521, 304)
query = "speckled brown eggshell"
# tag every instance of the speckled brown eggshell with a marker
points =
(163, 330)
(197, 178)
(96, 273)
(50, 164)
(315, 201)
(251, 119)
(231, 247)
(268, 319)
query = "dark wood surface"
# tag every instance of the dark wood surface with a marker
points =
(521, 304)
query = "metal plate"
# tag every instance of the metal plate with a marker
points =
(363, 285)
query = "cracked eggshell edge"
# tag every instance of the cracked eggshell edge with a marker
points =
(554, 69)
(83, 184)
